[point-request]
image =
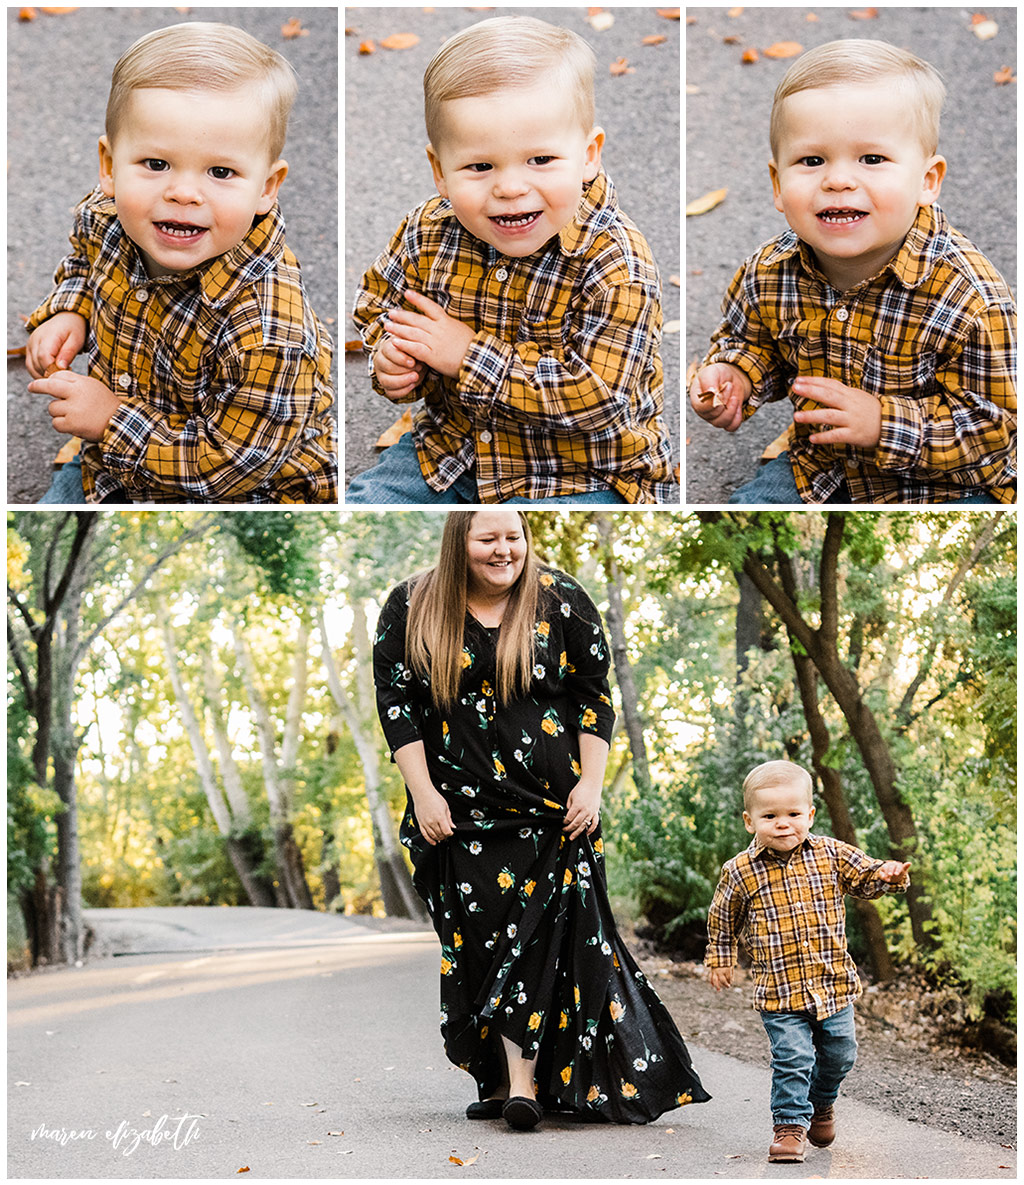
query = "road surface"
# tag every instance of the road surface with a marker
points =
(306, 1046)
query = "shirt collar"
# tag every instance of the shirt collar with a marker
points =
(219, 278)
(925, 244)
(758, 850)
(598, 208)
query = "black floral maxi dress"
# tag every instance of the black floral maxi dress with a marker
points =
(529, 948)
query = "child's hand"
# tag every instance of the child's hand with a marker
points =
(892, 871)
(855, 415)
(57, 340)
(733, 388)
(81, 406)
(397, 373)
(720, 977)
(430, 336)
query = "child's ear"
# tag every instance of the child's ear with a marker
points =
(106, 167)
(748, 822)
(810, 816)
(773, 170)
(932, 183)
(592, 160)
(435, 164)
(275, 178)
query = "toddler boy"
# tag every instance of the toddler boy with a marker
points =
(520, 304)
(891, 333)
(784, 896)
(209, 372)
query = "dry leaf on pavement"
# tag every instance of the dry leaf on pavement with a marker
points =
(397, 430)
(863, 14)
(26, 14)
(985, 30)
(620, 66)
(367, 47)
(293, 28)
(738, 11)
(750, 55)
(670, 14)
(653, 39)
(671, 327)
(57, 11)
(1006, 74)
(401, 41)
(784, 49)
(701, 205)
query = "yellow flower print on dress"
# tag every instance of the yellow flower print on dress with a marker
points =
(529, 887)
(599, 846)
(549, 726)
(543, 628)
(588, 719)
(505, 879)
(628, 1090)
(456, 940)
(567, 879)
(566, 1074)
(547, 580)
(499, 768)
(576, 994)
(574, 765)
(534, 1021)
(616, 1009)
(446, 966)
(563, 1020)
(467, 659)
(486, 688)
(683, 1099)
(593, 1093)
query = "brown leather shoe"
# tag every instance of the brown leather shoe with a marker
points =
(790, 1143)
(822, 1131)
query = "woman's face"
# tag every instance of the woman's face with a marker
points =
(495, 552)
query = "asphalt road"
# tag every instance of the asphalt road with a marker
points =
(54, 119)
(727, 145)
(305, 1046)
(387, 174)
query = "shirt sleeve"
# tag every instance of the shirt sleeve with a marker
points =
(72, 290)
(726, 917)
(858, 874)
(585, 382)
(586, 657)
(256, 413)
(744, 341)
(396, 706)
(964, 430)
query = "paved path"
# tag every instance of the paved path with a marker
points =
(305, 1046)
(387, 174)
(727, 145)
(54, 120)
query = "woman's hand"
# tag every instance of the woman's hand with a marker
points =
(583, 810)
(433, 817)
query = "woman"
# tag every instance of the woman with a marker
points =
(492, 689)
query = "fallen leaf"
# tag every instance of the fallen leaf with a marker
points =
(715, 395)
(676, 281)
(863, 14)
(985, 30)
(243, 1170)
(671, 327)
(26, 14)
(335, 1133)
(653, 39)
(738, 11)
(17, 352)
(978, 17)
(653, 1156)
(353, 347)
(312, 1143)
(670, 14)
(691, 89)
(701, 205)
(293, 28)
(395, 433)
(1004, 75)
(784, 49)
(57, 11)
(401, 41)
(731, 39)
(620, 66)
(750, 55)
(308, 1104)
(601, 21)
(53, 368)
(366, 47)
(812, 16)
(469, 1161)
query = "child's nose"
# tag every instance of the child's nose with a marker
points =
(183, 190)
(509, 183)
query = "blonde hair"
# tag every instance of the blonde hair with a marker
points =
(776, 773)
(854, 61)
(503, 52)
(205, 56)
(437, 618)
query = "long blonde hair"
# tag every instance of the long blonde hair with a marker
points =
(437, 618)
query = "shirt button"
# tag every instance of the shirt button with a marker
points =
(485, 437)
(141, 294)
(842, 314)
(501, 274)
(124, 381)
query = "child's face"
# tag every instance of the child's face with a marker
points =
(850, 174)
(513, 163)
(189, 171)
(780, 816)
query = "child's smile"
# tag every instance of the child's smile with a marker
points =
(513, 164)
(850, 175)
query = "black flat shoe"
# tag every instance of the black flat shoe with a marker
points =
(522, 1113)
(485, 1109)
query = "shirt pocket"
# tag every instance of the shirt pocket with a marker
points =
(903, 375)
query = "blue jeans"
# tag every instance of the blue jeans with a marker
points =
(775, 484)
(67, 489)
(810, 1059)
(396, 479)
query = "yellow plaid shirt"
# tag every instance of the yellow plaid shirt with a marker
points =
(561, 389)
(791, 916)
(223, 371)
(932, 335)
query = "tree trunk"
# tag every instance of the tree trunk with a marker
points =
(616, 621)
(399, 897)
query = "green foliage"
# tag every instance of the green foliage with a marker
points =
(31, 809)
